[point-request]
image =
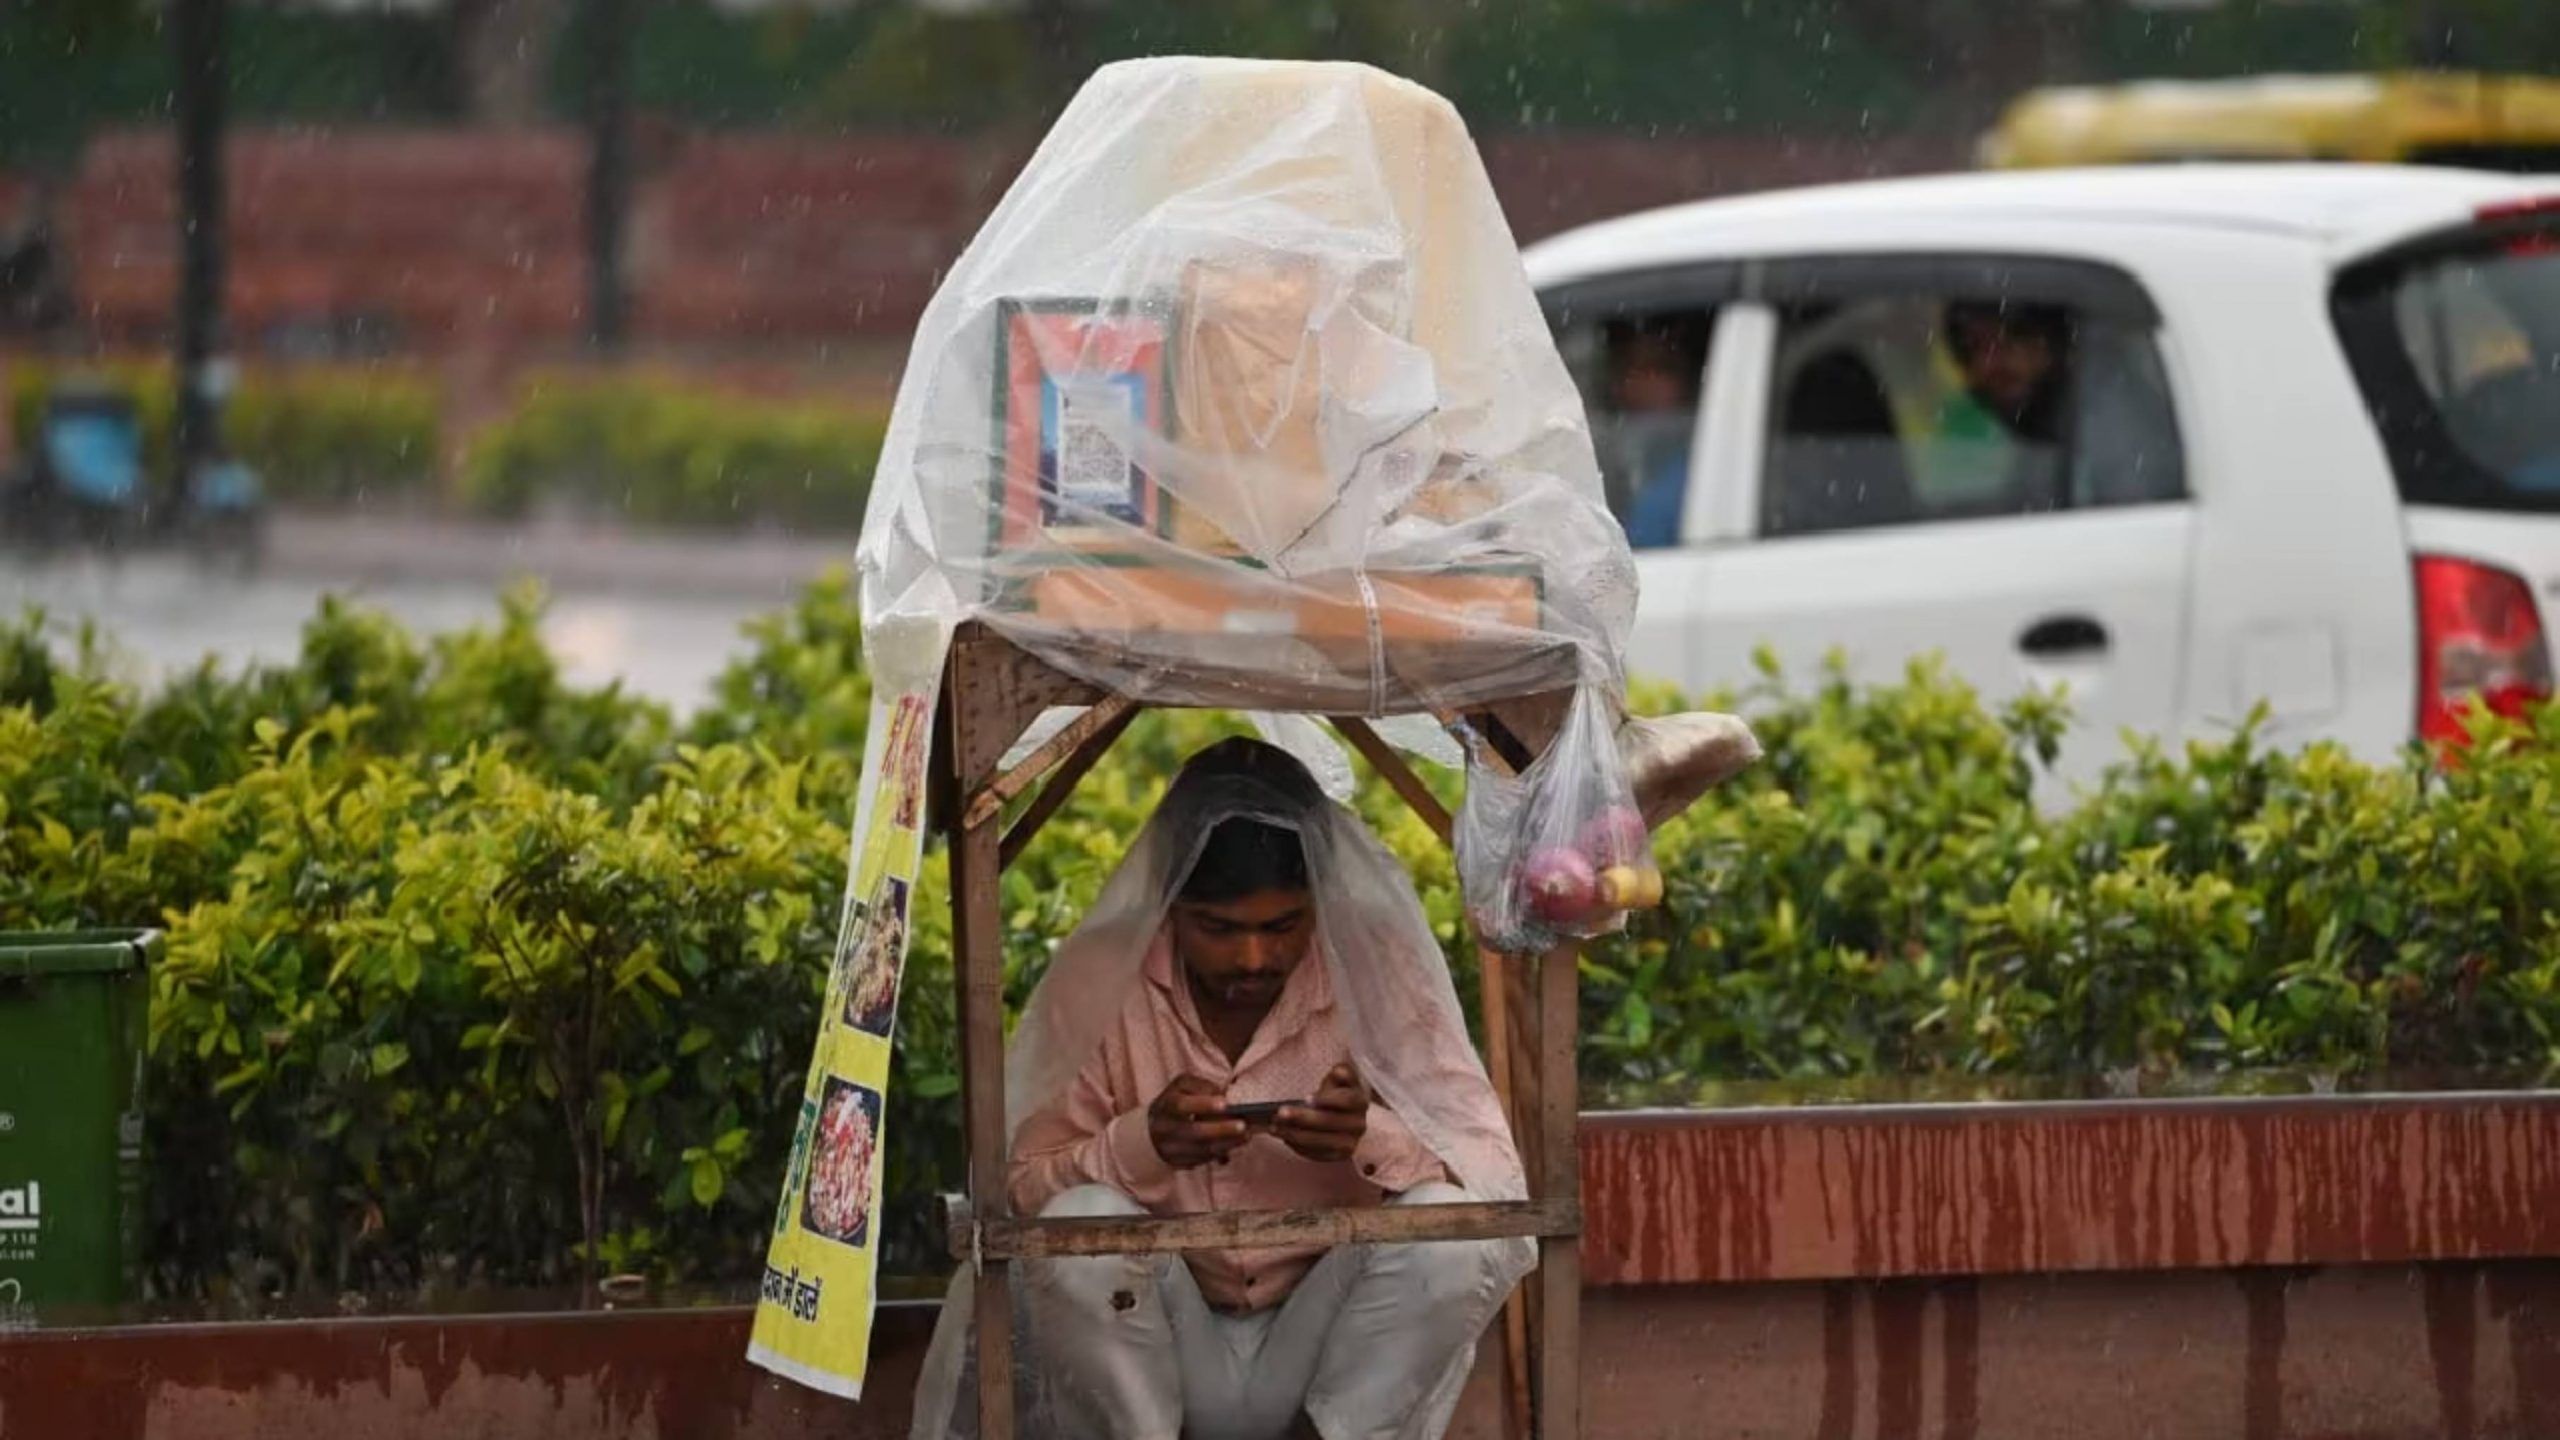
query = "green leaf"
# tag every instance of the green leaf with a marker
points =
(708, 1182)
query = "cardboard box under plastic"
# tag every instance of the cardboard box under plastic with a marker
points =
(1410, 608)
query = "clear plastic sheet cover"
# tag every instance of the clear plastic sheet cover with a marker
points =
(1242, 398)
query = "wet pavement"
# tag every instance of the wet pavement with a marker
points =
(661, 614)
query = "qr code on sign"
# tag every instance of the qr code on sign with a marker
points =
(1094, 470)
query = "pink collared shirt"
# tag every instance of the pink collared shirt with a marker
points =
(1096, 1134)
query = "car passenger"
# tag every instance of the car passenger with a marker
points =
(1654, 378)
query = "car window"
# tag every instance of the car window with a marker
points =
(1640, 370)
(2457, 349)
(1929, 405)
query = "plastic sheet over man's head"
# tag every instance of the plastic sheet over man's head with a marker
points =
(1241, 398)
(1262, 797)
(1243, 859)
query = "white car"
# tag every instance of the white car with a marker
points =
(2181, 439)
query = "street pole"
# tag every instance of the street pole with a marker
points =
(196, 31)
(609, 168)
(2435, 48)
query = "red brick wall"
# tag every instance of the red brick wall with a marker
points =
(1550, 183)
(449, 236)
(777, 236)
(473, 242)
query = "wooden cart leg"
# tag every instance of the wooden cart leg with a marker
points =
(1559, 1176)
(1520, 982)
(1494, 993)
(978, 954)
(1519, 1411)
(1520, 985)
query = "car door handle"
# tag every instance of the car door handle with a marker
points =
(2059, 637)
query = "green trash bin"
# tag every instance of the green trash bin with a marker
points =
(72, 1007)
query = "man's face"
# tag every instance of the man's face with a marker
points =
(1647, 388)
(1648, 378)
(2003, 364)
(1238, 953)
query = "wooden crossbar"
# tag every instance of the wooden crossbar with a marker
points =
(1113, 712)
(1028, 1239)
(1399, 776)
(1062, 784)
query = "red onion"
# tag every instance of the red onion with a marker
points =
(1615, 836)
(1562, 887)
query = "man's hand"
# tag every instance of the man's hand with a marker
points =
(1186, 1127)
(1330, 1128)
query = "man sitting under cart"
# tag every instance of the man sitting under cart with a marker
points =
(1229, 1079)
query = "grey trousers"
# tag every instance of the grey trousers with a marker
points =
(1374, 1344)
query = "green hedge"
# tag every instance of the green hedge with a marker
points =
(477, 977)
(661, 453)
(654, 451)
(339, 437)
(316, 436)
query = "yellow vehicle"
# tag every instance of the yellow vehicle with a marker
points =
(2486, 122)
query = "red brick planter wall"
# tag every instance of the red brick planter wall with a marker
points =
(1878, 1191)
(2366, 1267)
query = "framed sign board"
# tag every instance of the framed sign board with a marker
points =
(1082, 393)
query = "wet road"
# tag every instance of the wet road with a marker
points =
(663, 623)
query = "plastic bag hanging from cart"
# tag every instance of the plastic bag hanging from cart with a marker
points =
(1559, 851)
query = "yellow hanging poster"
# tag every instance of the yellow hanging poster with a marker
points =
(821, 1273)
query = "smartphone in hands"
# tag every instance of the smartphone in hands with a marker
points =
(1258, 1112)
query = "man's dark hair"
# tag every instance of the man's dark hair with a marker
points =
(1245, 856)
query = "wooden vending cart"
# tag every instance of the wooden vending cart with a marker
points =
(993, 690)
